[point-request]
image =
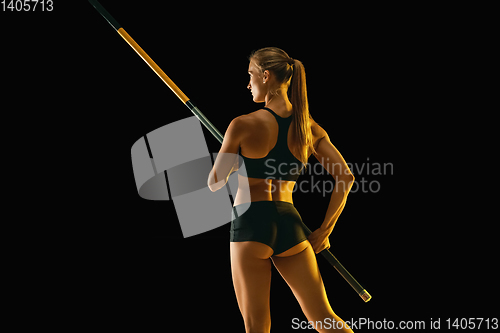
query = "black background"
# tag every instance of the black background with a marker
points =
(377, 82)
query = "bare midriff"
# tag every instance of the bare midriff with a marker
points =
(264, 190)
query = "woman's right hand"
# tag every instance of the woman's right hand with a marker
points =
(319, 240)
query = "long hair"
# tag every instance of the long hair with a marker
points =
(292, 73)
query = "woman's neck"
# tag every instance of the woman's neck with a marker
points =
(279, 103)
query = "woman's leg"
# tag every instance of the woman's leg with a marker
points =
(300, 270)
(251, 271)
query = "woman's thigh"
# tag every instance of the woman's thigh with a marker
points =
(251, 272)
(301, 272)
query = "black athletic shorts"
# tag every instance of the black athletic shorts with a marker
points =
(274, 223)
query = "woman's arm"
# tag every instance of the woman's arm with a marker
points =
(227, 158)
(334, 163)
(336, 166)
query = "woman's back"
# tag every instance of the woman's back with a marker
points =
(262, 134)
(270, 154)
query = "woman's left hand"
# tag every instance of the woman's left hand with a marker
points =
(319, 240)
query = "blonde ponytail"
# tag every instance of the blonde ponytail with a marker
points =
(298, 97)
(292, 72)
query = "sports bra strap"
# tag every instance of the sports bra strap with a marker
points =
(272, 112)
(279, 156)
(276, 115)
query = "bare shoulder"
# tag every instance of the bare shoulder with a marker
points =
(318, 133)
(246, 124)
(251, 117)
(258, 116)
(238, 122)
(251, 121)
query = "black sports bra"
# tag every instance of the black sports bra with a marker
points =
(279, 163)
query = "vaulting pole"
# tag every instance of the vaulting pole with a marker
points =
(326, 253)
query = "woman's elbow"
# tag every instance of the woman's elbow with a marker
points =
(211, 184)
(344, 182)
(214, 185)
(211, 181)
(351, 178)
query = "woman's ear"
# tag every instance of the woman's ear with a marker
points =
(265, 76)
